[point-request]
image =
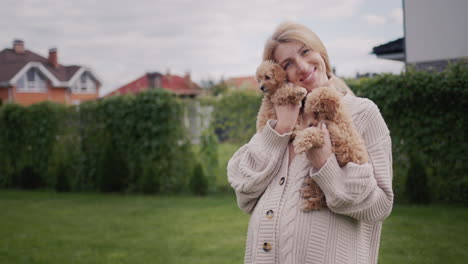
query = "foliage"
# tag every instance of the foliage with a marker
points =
(416, 183)
(234, 116)
(26, 143)
(425, 113)
(217, 88)
(198, 182)
(209, 155)
(134, 143)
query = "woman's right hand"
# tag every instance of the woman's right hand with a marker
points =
(287, 117)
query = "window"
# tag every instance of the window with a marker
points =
(32, 81)
(85, 84)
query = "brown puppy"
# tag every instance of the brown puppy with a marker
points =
(272, 81)
(324, 105)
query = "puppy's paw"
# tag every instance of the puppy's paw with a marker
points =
(301, 92)
(296, 95)
(308, 138)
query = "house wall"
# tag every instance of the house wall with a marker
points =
(79, 98)
(58, 94)
(29, 98)
(435, 30)
(4, 94)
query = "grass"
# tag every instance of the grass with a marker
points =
(48, 227)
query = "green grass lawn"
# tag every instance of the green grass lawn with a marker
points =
(47, 227)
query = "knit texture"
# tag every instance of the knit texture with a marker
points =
(359, 197)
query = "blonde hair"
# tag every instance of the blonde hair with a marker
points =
(290, 31)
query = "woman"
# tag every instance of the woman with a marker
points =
(267, 177)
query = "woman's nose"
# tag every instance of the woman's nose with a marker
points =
(302, 66)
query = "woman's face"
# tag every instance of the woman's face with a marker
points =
(303, 66)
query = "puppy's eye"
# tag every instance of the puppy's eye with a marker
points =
(316, 114)
(267, 77)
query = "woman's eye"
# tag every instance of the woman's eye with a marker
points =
(286, 65)
(305, 52)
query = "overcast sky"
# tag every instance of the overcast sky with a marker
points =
(122, 40)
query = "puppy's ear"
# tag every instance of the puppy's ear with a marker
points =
(330, 106)
(280, 73)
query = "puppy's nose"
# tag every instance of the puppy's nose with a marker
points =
(262, 88)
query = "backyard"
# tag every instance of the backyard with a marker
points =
(49, 227)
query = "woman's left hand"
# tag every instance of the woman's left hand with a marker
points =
(319, 156)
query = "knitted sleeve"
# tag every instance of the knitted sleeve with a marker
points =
(363, 191)
(255, 164)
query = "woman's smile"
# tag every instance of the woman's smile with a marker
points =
(309, 77)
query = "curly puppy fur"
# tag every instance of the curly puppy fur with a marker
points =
(324, 105)
(272, 81)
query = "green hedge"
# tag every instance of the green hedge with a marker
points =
(26, 142)
(134, 143)
(426, 115)
(235, 115)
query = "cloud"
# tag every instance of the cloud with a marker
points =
(374, 19)
(396, 16)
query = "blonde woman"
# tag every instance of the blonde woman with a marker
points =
(267, 176)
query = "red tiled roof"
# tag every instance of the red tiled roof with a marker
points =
(174, 83)
(11, 63)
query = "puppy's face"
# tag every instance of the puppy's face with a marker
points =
(319, 107)
(270, 76)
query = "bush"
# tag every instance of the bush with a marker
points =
(425, 112)
(235, 115)
(133, 143)
(209, 156)
(26, 143)
(416, 183)
(199, 183)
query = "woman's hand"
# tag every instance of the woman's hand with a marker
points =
(287, 117)
(319, 156)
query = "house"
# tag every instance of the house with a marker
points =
(434, 35)
(181, 86)
(27, 78)
(243, 83)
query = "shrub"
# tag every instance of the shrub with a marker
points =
(235, 115)
(27, 139)
(209, 155)
(425, 114)
(198, 183)
(133, 143)
(416, 184)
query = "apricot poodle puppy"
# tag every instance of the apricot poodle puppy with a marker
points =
(276, 90)
(324, 105)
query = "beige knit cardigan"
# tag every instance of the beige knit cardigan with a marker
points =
(359, 197)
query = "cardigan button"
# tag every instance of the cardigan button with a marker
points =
(281, 182)
(266, 247)
(269, 214)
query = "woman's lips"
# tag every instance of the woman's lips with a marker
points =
(310, 76)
